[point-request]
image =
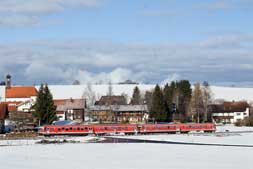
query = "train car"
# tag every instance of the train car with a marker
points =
(205, 127)
(103, 129)
(66, 130)
(158, 128)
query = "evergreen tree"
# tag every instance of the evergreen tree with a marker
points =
(158, 109)
(136, 98)
(45, 110)
(185, 93)
(168, 94)
(148, 99)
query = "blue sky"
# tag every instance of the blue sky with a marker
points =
(58, 41)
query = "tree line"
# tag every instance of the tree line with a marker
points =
(176, 102)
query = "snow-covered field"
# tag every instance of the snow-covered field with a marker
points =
(24, 142)
(245, 139)
(236, 136)
(77, 91)
(232, 128)
(134, 155)
(124, 156)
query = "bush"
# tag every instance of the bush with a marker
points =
(239, 123)
(248, 121)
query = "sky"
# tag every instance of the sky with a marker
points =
(148, 41)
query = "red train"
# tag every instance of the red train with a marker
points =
(103, 129)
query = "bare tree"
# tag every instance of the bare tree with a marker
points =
(89, 95)
(110, 89)
(125, 97)
(207, 100)
(197, 105)
(76, 82)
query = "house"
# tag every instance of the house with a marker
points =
(111, 100)
(3, 115)
(70, 109)
(119, 113)
(230, 112)
(19, 100)
(19, 93)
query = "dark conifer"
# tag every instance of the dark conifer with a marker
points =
(158, 109)
(45, 110)
(136, 98)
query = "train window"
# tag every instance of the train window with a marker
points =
(59, 129)
(78, 128)
(63, 128)
(67, 129)
(70, 128)
(74, 129)
(82, 129)
(90, 128)
(85, 128)
(106, 128)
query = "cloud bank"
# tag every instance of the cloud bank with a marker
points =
(220, 59)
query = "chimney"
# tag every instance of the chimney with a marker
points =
(8, 81)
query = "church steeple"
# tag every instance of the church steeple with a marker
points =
(8, 81)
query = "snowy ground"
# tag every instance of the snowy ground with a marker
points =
(233, 128)
(239, 136)
(124, 156)
(134, 155)
(26, 142)
(244, 139)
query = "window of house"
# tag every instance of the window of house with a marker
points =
(238, 114)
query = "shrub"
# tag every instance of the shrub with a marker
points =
(239, 123)
(248, 121)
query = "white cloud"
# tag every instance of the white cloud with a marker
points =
(101, 61)
(29, 12)
(18, 20)
(169, 79)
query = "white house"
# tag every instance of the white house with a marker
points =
(230, 112)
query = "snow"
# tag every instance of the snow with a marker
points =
(223, 139)
(2, 93)
(232, 128)
(232, 93)
(124, 156)
(239, 136)
(76, 91)
(135, 155)
(25, 142)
